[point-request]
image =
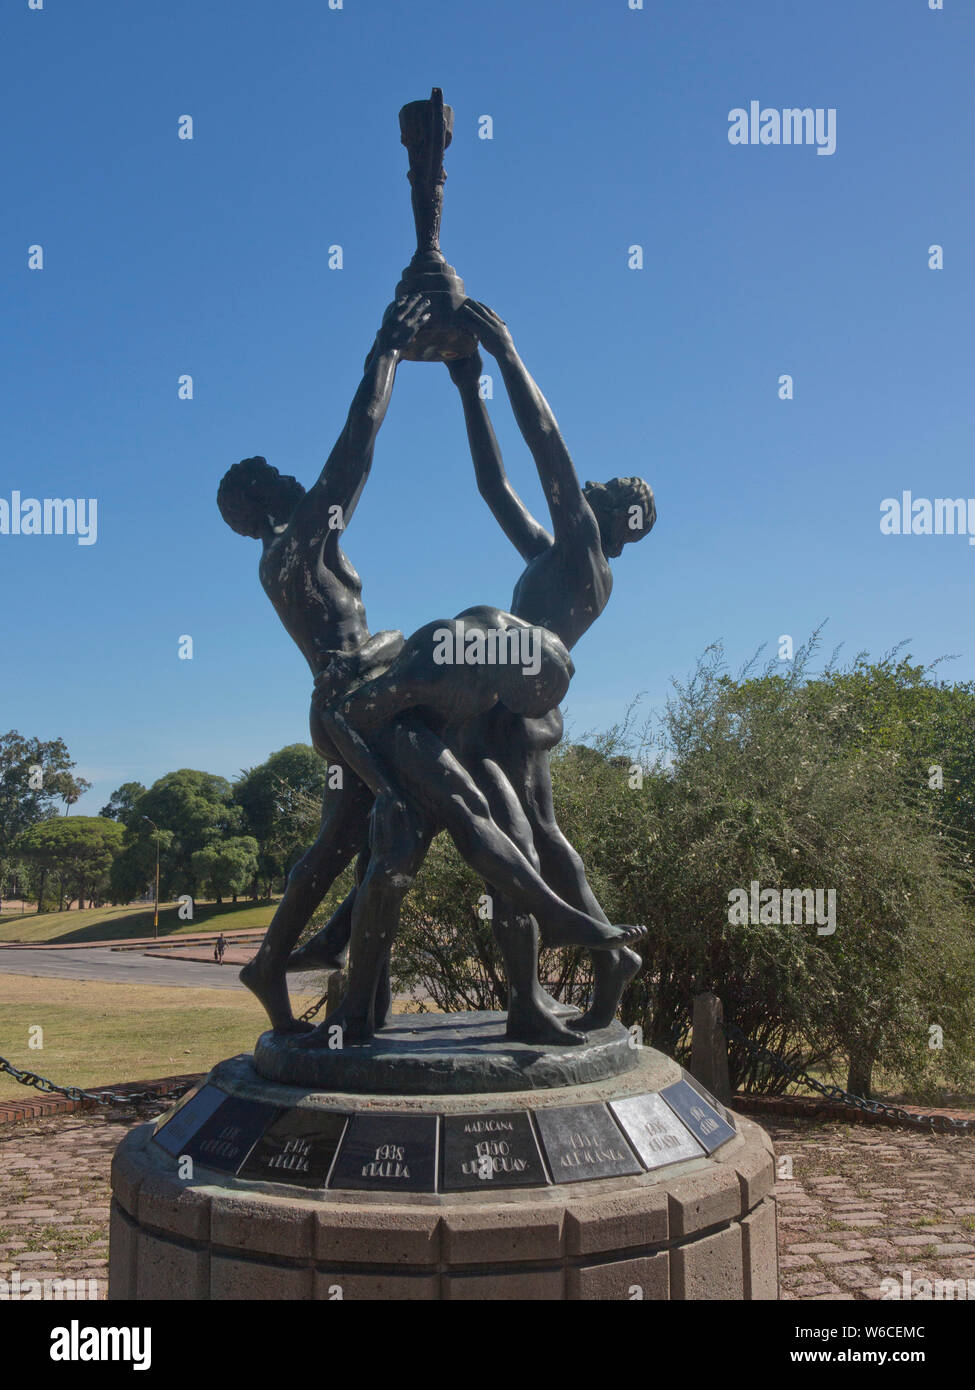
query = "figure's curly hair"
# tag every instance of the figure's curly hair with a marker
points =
(623, 492)
(252, 490)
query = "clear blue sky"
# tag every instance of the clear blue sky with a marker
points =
(208, 257)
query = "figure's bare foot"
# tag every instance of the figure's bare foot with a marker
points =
(612, 972)
(356, 1028)
(272, 992)
(535, 1024)
(552, 1005)
(580, 930)
(317, 954)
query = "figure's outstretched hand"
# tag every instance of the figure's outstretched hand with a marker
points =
(491, 330)
(402, 321)
(466, 371)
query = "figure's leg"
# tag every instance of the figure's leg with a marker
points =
(384, 994)
(345, 817)
(564, 870)
(531, 1016)
(400, 839)
(531, 1010)
(432, 777)
(326, 950)
(397, 754)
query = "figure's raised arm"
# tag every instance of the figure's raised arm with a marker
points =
(527, 535)
(329, 504)
(563, 492)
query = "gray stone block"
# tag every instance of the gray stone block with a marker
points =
(375, 1288)
(703, 1199)
(760, 1252)
(122, 1240)
(640, 1279)
(170, 1272)
(235, 1278)
(502, 1235)
(708, 1269)
(617, 1221)
(263, 1224)
(511, 1284)
(372, 1235)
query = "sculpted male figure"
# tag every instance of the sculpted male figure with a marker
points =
(361, 712)
(565, 586)
(317, 595)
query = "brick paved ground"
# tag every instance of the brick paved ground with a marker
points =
(863, 1204)
(54, 1196)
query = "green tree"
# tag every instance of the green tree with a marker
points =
(281, 800)
(226, 867)
(77, 851)
(770, 780)
(35, 777)
(901, 708)
(191, 809)
(134, 870)
(123, 803)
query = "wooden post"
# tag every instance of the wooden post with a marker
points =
(709, 1048)
(335, 989)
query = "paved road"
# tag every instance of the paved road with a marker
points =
(127, 967)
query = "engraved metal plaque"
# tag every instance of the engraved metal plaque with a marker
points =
(489, 1151)
(584, 1142)
(704, 1122)
(230, 1133)
(297, 1148)
(657, 1134)
(392, 1153)
(713, 1101)
(176, 1128)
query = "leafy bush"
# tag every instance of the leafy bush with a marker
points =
(779, 779)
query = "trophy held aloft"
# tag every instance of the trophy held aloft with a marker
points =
(425, 130)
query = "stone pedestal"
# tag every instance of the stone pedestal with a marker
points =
(257, 1189)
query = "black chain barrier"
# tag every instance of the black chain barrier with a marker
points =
(941, 1124)
(135, 1099)
(309, 1014)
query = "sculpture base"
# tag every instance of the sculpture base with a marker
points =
(444, 1054)
(252, 1190)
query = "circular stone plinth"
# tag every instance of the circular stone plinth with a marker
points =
(249, 1189)
(444, 1054)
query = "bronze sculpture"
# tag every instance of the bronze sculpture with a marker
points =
(427, 744)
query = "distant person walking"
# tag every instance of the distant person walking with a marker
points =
(219, 948)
